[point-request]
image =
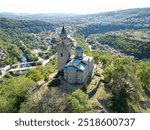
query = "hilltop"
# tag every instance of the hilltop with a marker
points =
(118, 40)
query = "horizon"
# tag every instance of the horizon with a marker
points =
(14, 13)
(69, 6)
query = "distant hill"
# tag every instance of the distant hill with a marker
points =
(118, 16)
(53, 18)
(107, 17)
(19, 26)
(115, 20)
(138, 18)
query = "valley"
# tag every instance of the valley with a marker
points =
(119, 42)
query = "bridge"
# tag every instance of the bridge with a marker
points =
(23, 66)
(20, 69)
(26, 63)
(13, 70)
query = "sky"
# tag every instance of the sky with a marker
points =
(69, 6)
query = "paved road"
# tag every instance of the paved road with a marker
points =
(74, 41)
(3, 70)
(44, 62)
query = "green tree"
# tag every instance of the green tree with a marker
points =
(13, 92)
(143, 74)
(39, 63)
(35, 75)
(79, 102)
(123, 84)
(80, 40)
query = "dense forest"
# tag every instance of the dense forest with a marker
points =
(22, 26)
(18, 37)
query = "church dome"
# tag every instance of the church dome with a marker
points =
(79, 48)
(79, 51)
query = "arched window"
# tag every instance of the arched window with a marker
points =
(61, 54)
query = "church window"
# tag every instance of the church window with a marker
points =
(77, 53)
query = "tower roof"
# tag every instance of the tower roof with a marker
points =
(79, 48)
(63, 31)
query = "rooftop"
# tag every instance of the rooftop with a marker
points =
(81, 65)
(63, 31)
(86, 59)
(79, 48)
(72, 68)
(78, 64)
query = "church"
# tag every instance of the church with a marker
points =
(76, 68)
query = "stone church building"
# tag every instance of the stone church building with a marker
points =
(76, 68)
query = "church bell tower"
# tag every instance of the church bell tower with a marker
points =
(63, 50)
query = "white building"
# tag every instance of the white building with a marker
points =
(76, 69)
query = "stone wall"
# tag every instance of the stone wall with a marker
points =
(79, 77)
(72, 77)
(63, 54)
